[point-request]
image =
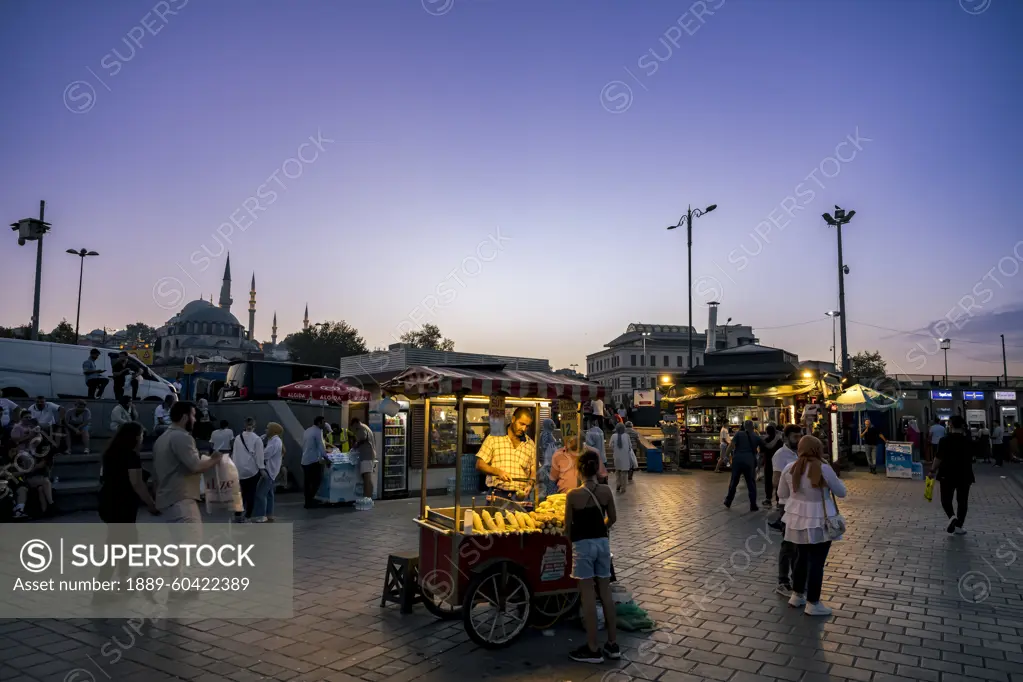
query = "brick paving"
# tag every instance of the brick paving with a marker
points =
(910, 603)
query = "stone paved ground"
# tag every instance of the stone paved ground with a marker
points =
(911, 603)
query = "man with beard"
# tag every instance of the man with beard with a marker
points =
(509, 461)
(178, 468)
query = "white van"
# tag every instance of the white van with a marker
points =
(54, 370)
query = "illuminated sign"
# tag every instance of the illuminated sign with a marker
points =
(1005, 395)
(973, 395)
(941, 395)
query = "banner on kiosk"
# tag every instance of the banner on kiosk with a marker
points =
(898, 460)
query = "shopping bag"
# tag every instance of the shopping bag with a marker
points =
(223, 491)
(929, 489)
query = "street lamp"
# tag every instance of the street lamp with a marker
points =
(31, 229)
(833, 314)
(82, 254)
(945, 345)
(840, 219)
(687, 220)
(643, 361)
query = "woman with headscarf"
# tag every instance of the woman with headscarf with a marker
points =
(743, 451)
(547, 443)
(633, 435)
(273, 453)
(807, 488)
(595, 440)
(773, 442)
(621, 447)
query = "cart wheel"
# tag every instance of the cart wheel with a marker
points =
(496, 607)
(548, 609)
(435, 591)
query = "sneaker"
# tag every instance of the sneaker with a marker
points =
(784, 589)
(728, 505)
(86, 451)
(259, 519)
(951, 527)
(766, 504)
(20, 515)
(239, 519)
(754, 508)
(584, 655)
(817, 609)
(797, 600)
(960, 531)
(612, 651)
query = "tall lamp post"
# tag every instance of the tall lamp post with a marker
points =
(834, 350)
(643, 361)
(32, 229)
(82, 254)
(840, 219)
(945, 345)
(687, 220)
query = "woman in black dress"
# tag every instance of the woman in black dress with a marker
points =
(122, 489)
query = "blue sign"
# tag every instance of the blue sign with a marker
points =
(941, 395)
(973, 395)
(898, 460)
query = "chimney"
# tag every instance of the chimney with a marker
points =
(712, 327)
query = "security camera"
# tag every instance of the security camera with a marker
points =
(21, 241)
(845, 269)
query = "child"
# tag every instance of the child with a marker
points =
(586, 527)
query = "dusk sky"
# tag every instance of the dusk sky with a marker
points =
(506, 170)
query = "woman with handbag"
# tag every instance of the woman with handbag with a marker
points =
(809, 487)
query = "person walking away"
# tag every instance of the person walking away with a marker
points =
(367, 451)
(743, 453)
(633, 435)
(953, 469)
(509, 460)
(122, 489)
(594, 438)
(808, 487)
(124, 413)
(204, 421)
(725, 439)
(77, 422)
(95, 383)
(247, 454)
(621, 448)
(178, 469)
(997, 440)
(984, 443)
(773, 442)
(875, 442)
(314, 453)
(274, 456)
(934, 436)
(162, 416)
(589, 514)
(784, 456)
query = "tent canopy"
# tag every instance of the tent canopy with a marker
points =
(860, 398)
(426, 381)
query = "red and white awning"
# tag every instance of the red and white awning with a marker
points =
(329, 390)
(509, 382)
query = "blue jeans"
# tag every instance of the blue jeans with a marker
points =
(263, 505)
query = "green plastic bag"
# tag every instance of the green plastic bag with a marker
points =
(631, 618)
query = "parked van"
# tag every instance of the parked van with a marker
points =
(54, 370)
(260, 379)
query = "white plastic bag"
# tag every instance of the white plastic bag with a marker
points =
(223, 491)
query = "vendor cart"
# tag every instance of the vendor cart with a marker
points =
(496, 582)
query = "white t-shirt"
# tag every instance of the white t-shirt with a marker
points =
(161, 416)
(47, 416)
(937, 432)
(725, 440)
(784, 457)
(221, 439)
(9, 407)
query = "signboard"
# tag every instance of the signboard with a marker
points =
(898, 459)
(644, 398)
(497, 414)
(680, 418)
(145, 355)
(553, 564)
(1005, 395)
(190, 363)
(834, 437)
(941, 394)
(976, 416)
(973, 395)
(569, 419)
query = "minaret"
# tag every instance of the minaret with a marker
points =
(225, 288)
(305, 320)
(273, 332)
(252, 308)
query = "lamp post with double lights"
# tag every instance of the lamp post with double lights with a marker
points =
(834, 350)
(82, 254)
(687, 220)
(945, 345)
(841, 218)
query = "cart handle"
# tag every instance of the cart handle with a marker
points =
(435, 528)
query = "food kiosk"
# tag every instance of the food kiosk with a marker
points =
(488, 560)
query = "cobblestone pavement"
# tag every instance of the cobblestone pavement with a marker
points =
(910, 603)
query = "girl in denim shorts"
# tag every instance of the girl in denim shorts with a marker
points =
(586, 526)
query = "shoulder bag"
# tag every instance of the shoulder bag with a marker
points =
(834, 526)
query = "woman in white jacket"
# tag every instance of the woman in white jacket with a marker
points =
(621, 447)
(806, 489)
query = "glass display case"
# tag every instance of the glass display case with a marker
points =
(443, 435)
(704, 425)
(395, 454)
(477, 427)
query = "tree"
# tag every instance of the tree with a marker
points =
(22, 331)
(325, 343)
(868, 365)
(428, 337)
(141, 332)
(63, 333)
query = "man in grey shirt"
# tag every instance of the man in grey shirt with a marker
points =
(178, 468)
(94, 381)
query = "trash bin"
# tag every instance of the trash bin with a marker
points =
(654, 461)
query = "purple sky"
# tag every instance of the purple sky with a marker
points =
(567, 134)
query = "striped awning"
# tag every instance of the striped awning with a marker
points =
(417, 381)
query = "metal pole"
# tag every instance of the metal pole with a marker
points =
(689, 332)
(39, 276)
(78, 314)
(834, 342)
(1005, 366)
(841, 303)
(946, 367)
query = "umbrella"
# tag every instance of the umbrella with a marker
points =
(860, 398)
(328, 390)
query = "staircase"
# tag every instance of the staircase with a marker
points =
(76, 476)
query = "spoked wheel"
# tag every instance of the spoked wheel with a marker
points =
(496, 607)
(437, 589)
(548, 609)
